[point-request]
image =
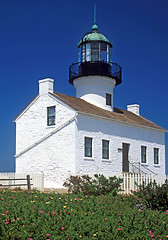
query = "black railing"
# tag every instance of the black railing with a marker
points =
(101, 68)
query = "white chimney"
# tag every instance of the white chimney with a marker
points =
(45, 86)
(134, 108)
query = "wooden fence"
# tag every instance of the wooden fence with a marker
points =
(18, 180)
(14, 184)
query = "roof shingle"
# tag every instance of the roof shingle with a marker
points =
(81, 105)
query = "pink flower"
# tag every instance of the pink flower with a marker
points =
(97, 202)
(93, 213)
(62, 228)
(18, 218)
(105, 218)
(150, 232)
(47, 235)
(151, 235)
(119, 229)
(6, 212)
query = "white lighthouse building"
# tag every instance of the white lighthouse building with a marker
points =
(63, 135)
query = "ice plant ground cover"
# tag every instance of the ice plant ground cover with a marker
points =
(36, 216)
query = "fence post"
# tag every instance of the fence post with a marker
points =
(28, 183)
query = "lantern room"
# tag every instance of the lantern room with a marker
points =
(94, 47)
(94, 58)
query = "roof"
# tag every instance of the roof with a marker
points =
(82, 106)
(94, 36)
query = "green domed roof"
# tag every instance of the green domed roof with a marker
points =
(94, 36)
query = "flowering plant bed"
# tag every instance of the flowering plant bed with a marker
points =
(35, 216)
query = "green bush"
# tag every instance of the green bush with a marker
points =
(93, 186)
(155, 197)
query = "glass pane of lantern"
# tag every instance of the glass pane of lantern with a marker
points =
(104, 56)
(103, 49)
(88, 52)
(83, 53)
(94, 51)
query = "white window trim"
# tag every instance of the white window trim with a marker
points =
(51, 126)
(88, 158)
(146, 163)
(156, 164)
(105, 159)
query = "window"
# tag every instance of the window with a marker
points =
(143, 154)
(108, 99)
(50, 116)
(105, 149)
(88, 147)
(156, 155)
(95, 54)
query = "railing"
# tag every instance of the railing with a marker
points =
(139, 168)
(102, 68)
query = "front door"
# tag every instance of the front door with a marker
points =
(125, 157)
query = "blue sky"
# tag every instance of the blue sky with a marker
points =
(38, 39)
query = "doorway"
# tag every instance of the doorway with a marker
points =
(125, 157)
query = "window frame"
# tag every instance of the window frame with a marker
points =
(86, 155)
(50, 116)
(108, 99)
(144, 154)
(105, 156)
(156, 155)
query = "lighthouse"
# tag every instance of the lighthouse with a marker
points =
(95, 75)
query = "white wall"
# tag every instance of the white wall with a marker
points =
(55, 155)
(117, 133)
(93, 89)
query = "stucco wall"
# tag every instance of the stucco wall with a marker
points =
(93, 89)
(117, 133)
(54, 155)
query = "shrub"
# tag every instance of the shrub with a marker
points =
(93, 186)
(154, 196)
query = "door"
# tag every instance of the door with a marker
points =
(125, 157)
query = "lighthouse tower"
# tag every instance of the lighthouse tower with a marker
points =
(95, 76)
